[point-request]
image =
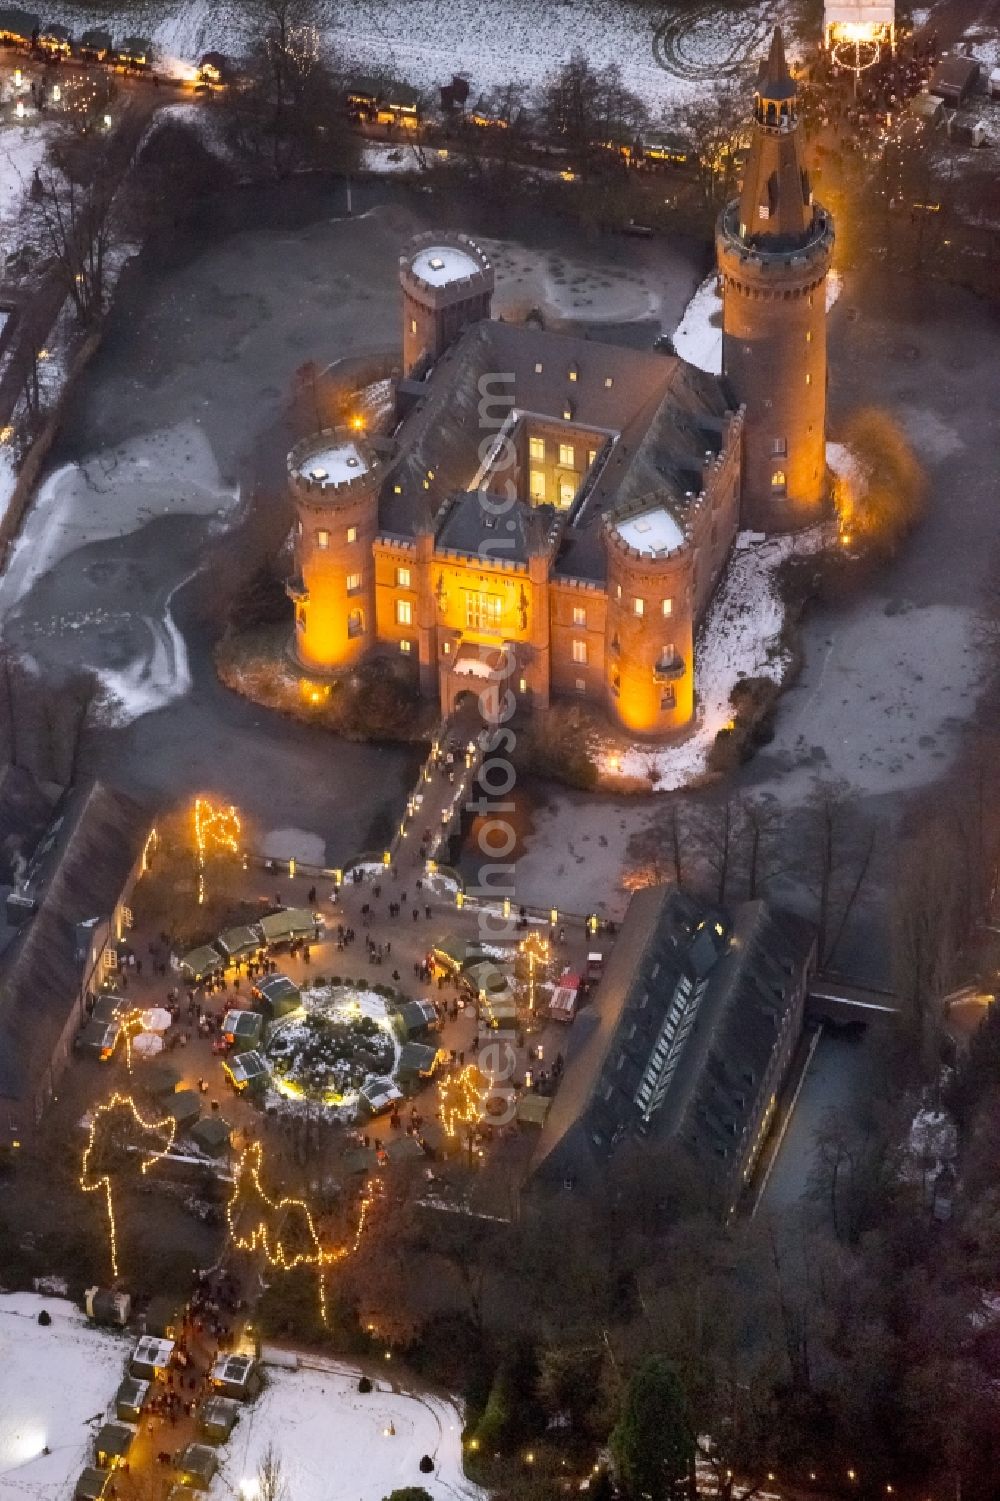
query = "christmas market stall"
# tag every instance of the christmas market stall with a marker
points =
(212, 1136)
(196, 1466)
(239, 943)
(247, 1072)
(242, 1029)
(151, 1358)
(288, 926)
(201, 962)
(112, 1445)
(93, 1484)
(236, 1376)
(130, 1399)
(217, 1417)
(279, 996)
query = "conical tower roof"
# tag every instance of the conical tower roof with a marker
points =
(774, 80)
(776, 200)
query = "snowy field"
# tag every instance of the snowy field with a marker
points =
(665, 55)
(337, 1444)
(56, 1387)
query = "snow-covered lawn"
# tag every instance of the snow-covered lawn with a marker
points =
(309, 1082)
(739, 639)
(509, 40)
(338, 1444)
(57, 1384)
(22, 148)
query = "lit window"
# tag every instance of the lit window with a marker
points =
(567, 455)
(567, 493)
(573, 372)
(413, 325)
(580, 653)
(355, 623)
(404, 647)
(446, 649)
(404, 612)
(618, 591)
(809, 337)
(639, 606)
(591, 455)
(322, 538)
(402, 578)
(581, 685)
(483, 612)
(353, 583)
(809, 380)
(778, 480)
(522, 685)
(538, 367)
(669, 652)
(668, 607)
(579, 615)
(608, 382)
(536, 449)
(352, 534)
(568, 412)
(536, 486)
(397, 489)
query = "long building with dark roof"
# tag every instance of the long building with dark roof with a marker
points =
(687, 1040)
(558, 504)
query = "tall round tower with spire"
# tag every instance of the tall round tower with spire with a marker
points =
(774, 246)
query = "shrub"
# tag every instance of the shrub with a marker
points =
(426, 1465)
(754, 702)
(45, 1318)
(365, 1384)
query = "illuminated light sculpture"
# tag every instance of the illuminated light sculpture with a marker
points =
(462, 1098)
(856, 31)
(284, 1230)
(538, 952)
(92, 1180)
(215, 825)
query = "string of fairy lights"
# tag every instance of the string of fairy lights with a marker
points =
(462, 1098)
(99, 1124)
(216, 826)
(262, 1230)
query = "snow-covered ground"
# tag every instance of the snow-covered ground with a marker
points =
(57, 1386)
(57, 1383)
(738, 640)
(510, 40)
(338, 1444)
(566, 289)
(338, 1003)
(22, 148)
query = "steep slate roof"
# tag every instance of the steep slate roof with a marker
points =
(485, 530)
(44, 970)
(739, 968)
(659, 414)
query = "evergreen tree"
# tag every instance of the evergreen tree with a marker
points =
(652, 1441)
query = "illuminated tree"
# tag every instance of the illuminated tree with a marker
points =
(882, 497)
(121, 1140)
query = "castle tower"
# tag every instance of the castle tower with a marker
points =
(334, 478)
(774, 247)
(649, 635)
(447, 283)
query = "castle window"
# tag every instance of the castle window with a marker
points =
(406, 647)
(579, 615)
(573, 372)
(522, 685)
(809, 380)
(352, 534)
(567, 493)
(608, 382)
(567, 455)
(668, 607)
(483, 612)
(778, 482)
(413, 325)
(300, 617)
(536, 486)
(353, 583)
(580, 653)
(668, 699)
(779, 447)
(809, 337)
(446, 648)
(404, 612)
(402, 578)
(616, 684)
(568, 412)
(639, 606)
(355, 623)
(536, 449)
(669, 652)
(618, 591)
(538, 367)
(581, 685)
(591, 456)
(397, 489)
(322, 538)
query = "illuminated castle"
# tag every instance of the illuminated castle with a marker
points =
(558, 508)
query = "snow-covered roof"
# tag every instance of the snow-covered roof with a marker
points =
(651, 532)
(334, 465)
(859, 13)
(438, 265)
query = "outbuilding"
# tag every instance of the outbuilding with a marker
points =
(96, 45)
(415, 1019)
(279, 995)
(417, 1063)
(93, 1484)
(196, 1466)
(130, 1399)
(239, 943)
(955, 77)
(99, 1040)
(112, 1444)
(212, 1135)
(217, 1417)
(185, 1107)
(242, 1029)
(235, 1376)
(150, 1358)
(201, 962)
(288, 925)
(247, 1071)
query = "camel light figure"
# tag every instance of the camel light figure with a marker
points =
(93, 1180)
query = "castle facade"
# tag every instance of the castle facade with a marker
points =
(559, 508)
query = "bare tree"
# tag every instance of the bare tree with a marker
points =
(272, 1484)
(837, 845)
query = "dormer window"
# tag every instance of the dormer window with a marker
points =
(568, 412)
(573, 372)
